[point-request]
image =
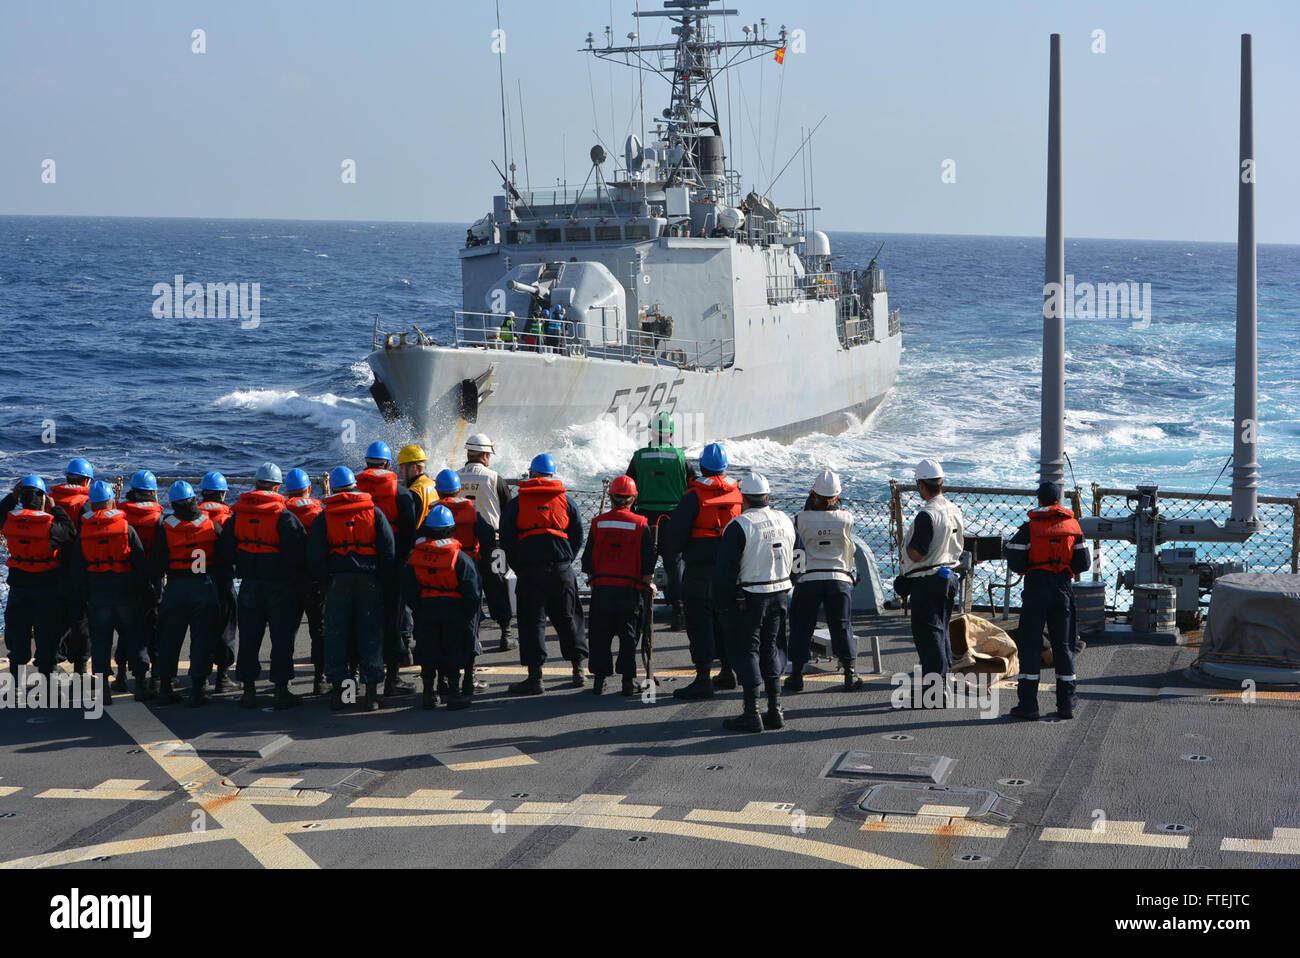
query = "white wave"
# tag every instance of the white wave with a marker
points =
(326, 411)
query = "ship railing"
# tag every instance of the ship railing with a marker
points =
(895, 324)
(597, 340)
(787, 288)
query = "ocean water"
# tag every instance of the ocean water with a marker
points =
(88, 370)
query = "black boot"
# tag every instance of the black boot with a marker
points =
(531, 685)
(725, 679)
(249, 699)
(442, 687)
(629, 686)
(1027, 705)
(144, 690)
(429, 697)
(701, 688)
(579, 674)
(507, 644)
(199, 696)
(747, 721)
(598, 685)
(794, 682)
(852, 683)
(284, 699)
(1067, 699)
(373, 703)
(119, 684)
(105, 688)
(321, 685)
(166, 694)
(223, 683)
(460, 699)
(774, 717)
(336, 699)
(678, 621)
(394, 686)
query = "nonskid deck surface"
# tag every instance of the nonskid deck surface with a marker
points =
(571, 780)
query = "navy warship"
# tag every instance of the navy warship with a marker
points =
(681, 290)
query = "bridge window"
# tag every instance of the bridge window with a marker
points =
(577, 234)
(518, 237)
(609, 234)
(548, 236)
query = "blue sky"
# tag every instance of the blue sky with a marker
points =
(258, 126)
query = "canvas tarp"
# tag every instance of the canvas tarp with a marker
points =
(1254, 618)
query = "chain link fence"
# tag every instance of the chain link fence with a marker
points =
(988, 511)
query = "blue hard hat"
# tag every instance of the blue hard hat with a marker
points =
(543, 464)
(144, 481)
(297, 479)
(101, 492)
(180, 491)
(447, 481)
(34, 482)
(439, 517)
(213, 482)
(379, 450)
(546, 314)
(342, 477)
(269, 472)
(714, 458)
(79, 467)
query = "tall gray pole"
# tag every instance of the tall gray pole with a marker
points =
(1051, 466)
(1245, 446)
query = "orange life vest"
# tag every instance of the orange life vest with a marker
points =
(543, 508)
(434, 562)
(616, 549)
(72, 499)
(305, 509)
(106, 542)
(350, 524)
(381, 486)
(720, 502)
(466, 516)
(27, 532)
(143, 518)
(217, 511)
(257, 522)
(1053, 534)
(185, 538)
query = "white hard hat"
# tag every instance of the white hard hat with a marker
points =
(479, 443)
(827, 485)
(755, 485)
(929, 469)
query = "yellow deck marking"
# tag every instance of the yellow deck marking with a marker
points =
(782, 814)
(427, 800)
(944, 811)
(933, 825)
(1115, 833)
(8, 790)
(506, 761)
(239, 819)
(1285, 841)
(588, 805)
(791, 844)
(129, 846)
(114, 789)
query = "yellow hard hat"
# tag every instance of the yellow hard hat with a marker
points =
(411, 454)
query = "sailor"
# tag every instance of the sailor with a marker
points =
(475, 536)
(440, 582)
(416, 495)
(490, 495)
(144, 515)
(382, 485)
(662, 474)
(555, 333)
(266, 545)
(350, 550)
(825, 572)
(110, 570)
(752, 582)
(36, 531)
(185, 551)
(619, 560)
(1049, 551)
(72, 496)
(533, 332)
(694, 533)
(212, 496)
(311, 600)
(507, 331)
(933, 546)
(541, 533)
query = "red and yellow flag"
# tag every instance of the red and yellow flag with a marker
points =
(780, 55)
